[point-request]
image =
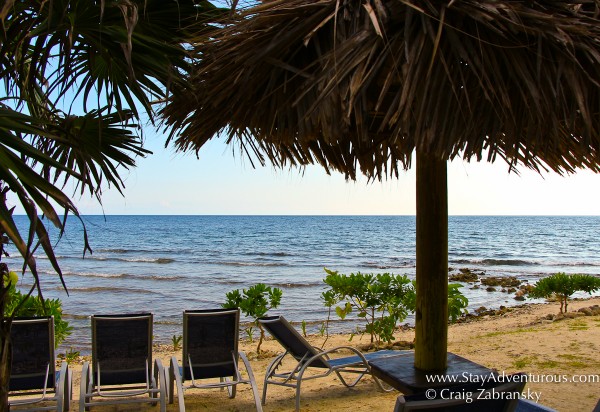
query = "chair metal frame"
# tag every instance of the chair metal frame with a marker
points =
(155, 384)
(177, 373)
(60, 383)
(312, 357)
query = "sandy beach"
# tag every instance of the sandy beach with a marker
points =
(520, 340)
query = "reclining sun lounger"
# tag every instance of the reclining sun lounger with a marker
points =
(33, 369)
(307, 356)
(122, 370)
(210, 351)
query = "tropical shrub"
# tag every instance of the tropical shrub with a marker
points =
(378, 298)
(254, 302)
(19, 304)
(382, 299)
(457, 302)
(562, 286)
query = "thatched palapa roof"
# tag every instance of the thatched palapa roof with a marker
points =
(361, 84)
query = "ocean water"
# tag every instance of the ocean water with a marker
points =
(165, 264)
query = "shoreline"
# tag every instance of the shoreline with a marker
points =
(518, 340)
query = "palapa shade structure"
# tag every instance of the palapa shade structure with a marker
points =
(360, 86)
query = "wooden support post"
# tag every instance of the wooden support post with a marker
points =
(431, 317)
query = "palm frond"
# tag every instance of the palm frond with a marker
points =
(359, 86)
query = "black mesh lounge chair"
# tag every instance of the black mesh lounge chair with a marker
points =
(33, 373)
(210, 351)
(309, 357)
(121, 369)
(493, 396)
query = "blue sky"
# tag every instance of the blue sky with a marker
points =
(223, 182)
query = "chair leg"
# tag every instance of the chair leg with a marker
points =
(160, 376)
(231, 389)
(382, 385)
(84, 387)
(65, 386)
(298, 384)
(178, 381)
(252, 380)
(270, 370)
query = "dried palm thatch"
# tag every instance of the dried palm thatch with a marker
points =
(363, 83)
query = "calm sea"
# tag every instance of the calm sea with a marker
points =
(165, 264)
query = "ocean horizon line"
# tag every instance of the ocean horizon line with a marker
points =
(317, 215)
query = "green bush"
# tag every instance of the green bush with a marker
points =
(562, 286)
(254, 302)
(457, 302)
(378, 298)
(19, 304)
(383, 299)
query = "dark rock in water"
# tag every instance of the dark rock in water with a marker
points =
(482, 312)
(519, 298)
(480, 309)
(491, 289)
(475, 287)
(526, 288)
(511, 290)
(504, 281)
(464, 276)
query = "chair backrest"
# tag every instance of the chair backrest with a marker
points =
(32, 353)
(210, 341)
(122, 348)
(291, 340)
(500, 395)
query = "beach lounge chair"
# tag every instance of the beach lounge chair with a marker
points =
(306, 356)
(122, 371)
(34, 378)
(492, 396)
(210, 351)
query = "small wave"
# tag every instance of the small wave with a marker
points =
(137, 260)
(96, 275)
(275, 254)
(126, 276)
(377, 265)
(296, 285)
(262, 264)
(93, 289)
(119, 251)
(589, 264)
(495, 262)
(230, 282)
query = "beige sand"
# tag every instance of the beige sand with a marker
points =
(516, 341)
